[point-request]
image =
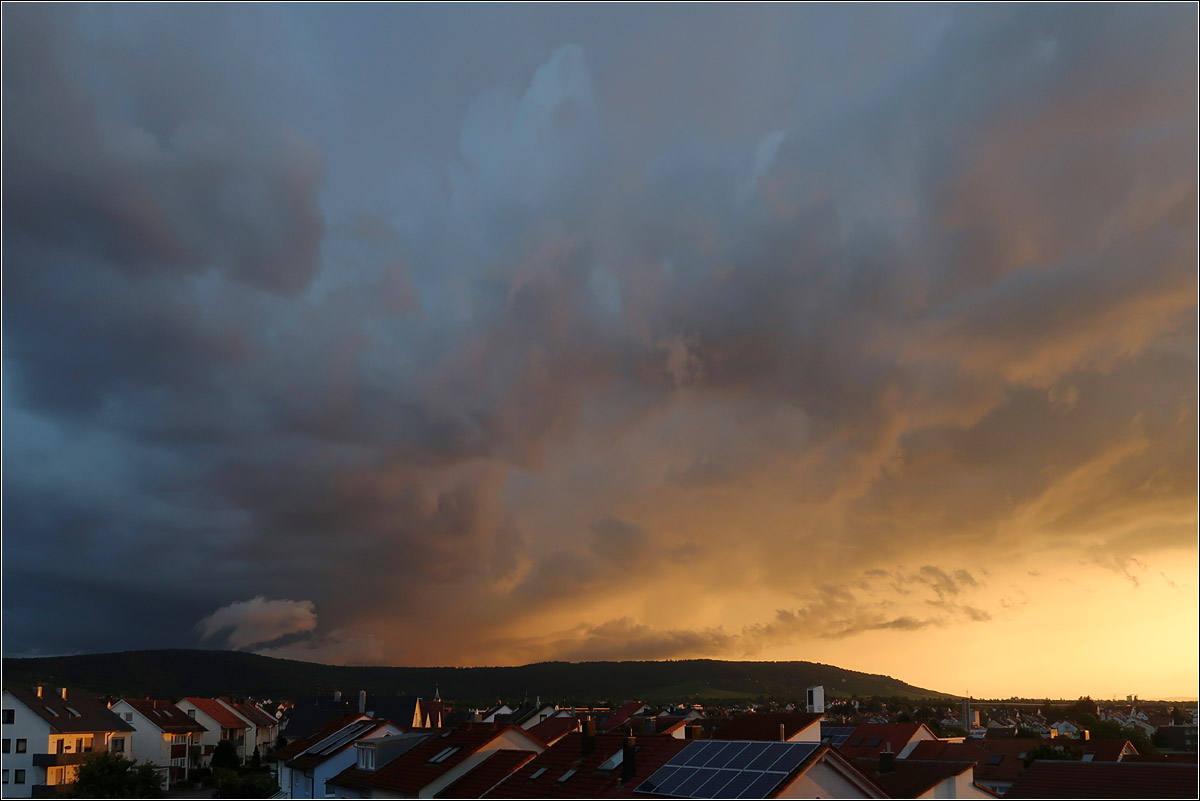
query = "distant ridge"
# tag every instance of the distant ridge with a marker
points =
(176, 673)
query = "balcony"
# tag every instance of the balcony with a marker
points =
(52, 790)
(179, 751)
(59, 760)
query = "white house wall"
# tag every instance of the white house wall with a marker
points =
(36, 734)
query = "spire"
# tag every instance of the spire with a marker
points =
(437, 693)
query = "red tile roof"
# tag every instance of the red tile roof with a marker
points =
(252, 713)
(219, 713)
(621, 716)
(765, 726)
(588, 781)
(911, 778)
(412, 771)
(165, 715)
(1063, 779)
(291, 750)
(869, 739)
(552, 729)
(493, 770)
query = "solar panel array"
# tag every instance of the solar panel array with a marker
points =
(340, 738)
(722, 769)
(836, 735)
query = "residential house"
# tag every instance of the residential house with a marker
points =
(220, 723)
(915, 778)
(788, 727)
(305, 766)
(871, 739)
(166, 736)
(49, 732)
(263, 731)
(1069, 779)
(441, 758)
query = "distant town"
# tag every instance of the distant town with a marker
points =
(63, 741)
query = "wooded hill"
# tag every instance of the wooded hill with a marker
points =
(176, 673)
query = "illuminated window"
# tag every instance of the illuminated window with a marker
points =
(20, 748)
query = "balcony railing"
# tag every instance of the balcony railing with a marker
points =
(59, 760)
(51, 790)
(179, 751)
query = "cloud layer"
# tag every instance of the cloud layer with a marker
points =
(612, 333)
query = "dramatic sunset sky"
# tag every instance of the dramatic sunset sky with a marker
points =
(445, 334)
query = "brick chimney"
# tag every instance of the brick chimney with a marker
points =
(362, 701)
(589, 736)
(40, 688)
(629, 759)
(887, 760)
(63, 691)
(782, 733)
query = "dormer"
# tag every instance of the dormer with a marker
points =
(366, 756)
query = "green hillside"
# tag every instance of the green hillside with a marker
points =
(176, 673)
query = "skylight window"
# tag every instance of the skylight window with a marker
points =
(567, 775)
(995, 759)
(537, 773)
(74, 711)
(874, 741)
(51, 711)
(613, 761)
(444, 754)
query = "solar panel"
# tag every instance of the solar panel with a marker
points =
(762, 786)
(699, 753)
(657, 779)
(721, 769)
(724, 756)
(792, 757)
(770, 753)
(713, 788)
(836, 735)
(739, 783)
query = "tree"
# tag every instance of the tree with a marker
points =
(225, 756)
(1047, 751)
(256, 759)
(108, 775)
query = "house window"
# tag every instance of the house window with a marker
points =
(74, 711)
(7, 746)
(191, 713)
(20, 747)
(118, 745)
(366, 759)
(537, 773)
(128, 717)
(567, 775)
(8, 715)
(18, 777)
(6, 777)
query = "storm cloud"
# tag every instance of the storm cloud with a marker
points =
(511, 318)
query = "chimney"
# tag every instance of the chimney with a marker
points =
(1084, 734)
(63, 692)
(782, 733)
(362, 701)
(589, 736)
(39, 690)
(629, 760)
(887, 760)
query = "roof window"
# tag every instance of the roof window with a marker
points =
(567, 775)
(51, 711)
(444, 754)
(537, 773)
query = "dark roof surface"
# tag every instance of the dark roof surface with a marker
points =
(487, 774)
(765, 726)
(588, 781)
(78, 712)
(870, 739)
(1053, 779)
(551, 729)
(165, 715)
(413, 770)
(297, 747)
(911, 777)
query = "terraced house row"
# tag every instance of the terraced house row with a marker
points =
(50, 731)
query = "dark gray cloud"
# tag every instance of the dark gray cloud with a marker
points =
(480, 310)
